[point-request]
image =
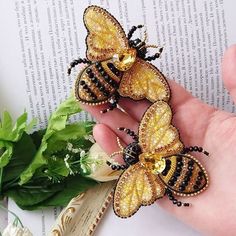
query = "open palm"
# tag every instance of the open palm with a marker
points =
(214, 211)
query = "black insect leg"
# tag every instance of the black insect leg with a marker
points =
(132, 30)
(117, 166)
(130, 133)
(155, 56)
(112, 103)
(194, 149)
(76, 62)
(174, 200)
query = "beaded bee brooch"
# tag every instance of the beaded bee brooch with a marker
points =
(156, 164)
(116, 65)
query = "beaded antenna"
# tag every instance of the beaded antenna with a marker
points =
(156, 164)
(117, 64)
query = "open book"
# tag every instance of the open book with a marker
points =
(40, 38)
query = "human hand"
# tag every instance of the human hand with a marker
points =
(212, 212)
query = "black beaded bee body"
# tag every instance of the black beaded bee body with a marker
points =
(97, 83)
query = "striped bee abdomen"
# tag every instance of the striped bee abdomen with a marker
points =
(97, 83)
(184, 175)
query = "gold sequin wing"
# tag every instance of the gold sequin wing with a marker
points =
(105, 34)
(136, 187)
(144, 80)
(156, 134)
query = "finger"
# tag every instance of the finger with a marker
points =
(134, 108)
(229, 71)
(107, 139)
(114, 119)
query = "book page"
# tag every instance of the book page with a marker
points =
(41, 38)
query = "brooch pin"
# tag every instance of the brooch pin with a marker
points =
(156, 164)
(117, 65)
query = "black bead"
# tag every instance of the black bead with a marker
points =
(105, 93)
(200, 149)
(94, 79)
(82, 82)
(103, 73)
(190, 167)
(189, 173)
(113, 167)
(181, 188)
(200, 173)
(184, 183)
(178, 169)
(180, 163)
(199, 178)
(85, 86)
(171, 198)
(190, 149)
(191, 163)
(100, 69)
(186, 150)
(177, 174)
(80, 60)
(173, 178)
(179, 158)
(102, 88)
(171, 183)
(198, 182)
(106, 77)
(186, 204)
(168, 162)
(118, 167)
(89, 70)
(175, 201)
(91, 75)
(195, 187)
(97, 64)
(108, 163)
(195, 148)
(187, 178)
(117, 73)
(179, 204)
(123, 167)
(164, 172)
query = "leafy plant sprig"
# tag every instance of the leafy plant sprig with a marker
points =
(44, 168)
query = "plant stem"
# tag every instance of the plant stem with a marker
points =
(16, 217)
(1, 173)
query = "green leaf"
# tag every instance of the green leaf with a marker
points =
(59, 139)
(23, 153)
(56, 123)
(74, 186)
(6, 122)
(7, 153)
(28, 196)
(58, 167)
(54, 195)
(11, 133)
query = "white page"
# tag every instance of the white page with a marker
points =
(40, 83)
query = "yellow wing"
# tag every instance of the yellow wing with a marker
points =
(136, 187)
(105, 34)
(156, 134)
(144, 80)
